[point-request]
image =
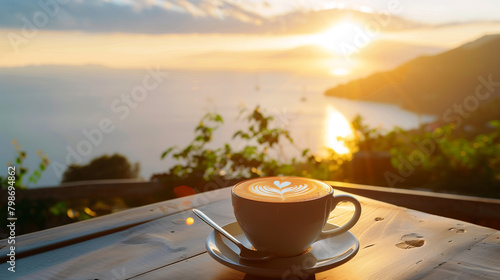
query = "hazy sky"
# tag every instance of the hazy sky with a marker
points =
(179, 16)
(209, 34)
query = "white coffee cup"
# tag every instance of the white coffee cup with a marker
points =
(285, 215)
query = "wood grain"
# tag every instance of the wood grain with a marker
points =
(49, 239)
(395, 243)
(476, 210)
(381, 228)
(129, 252)
(480, 261)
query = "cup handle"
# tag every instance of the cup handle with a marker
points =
(350, 223)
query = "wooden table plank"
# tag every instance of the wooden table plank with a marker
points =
(406, 244)
(126, 253)
(480, 261)
(395, 243)
(198, 267)
(73, 233)
(388, 250)
(477, 210)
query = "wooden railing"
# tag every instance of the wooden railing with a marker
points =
(90, 189)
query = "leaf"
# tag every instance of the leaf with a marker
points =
(186, 151)
(304, 152)
(199, 127)
(218, 118)
(164, 154)
(237, 133)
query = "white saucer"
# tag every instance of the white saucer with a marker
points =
(324, 254)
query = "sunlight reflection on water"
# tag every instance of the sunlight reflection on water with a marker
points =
(337, 127)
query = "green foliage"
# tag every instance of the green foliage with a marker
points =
(444, 162)
(103, 167)
(260, 154)
(449, 162)
(22, 171)
(203, 163)
(374, 139)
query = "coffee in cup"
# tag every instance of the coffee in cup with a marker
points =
(281, 190)
(283, 216)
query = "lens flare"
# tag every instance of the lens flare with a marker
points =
(90, 212)
(72, 213)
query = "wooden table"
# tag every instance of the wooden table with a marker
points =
(154, 242)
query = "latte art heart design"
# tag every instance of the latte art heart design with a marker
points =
(281, 185)
(280, 189)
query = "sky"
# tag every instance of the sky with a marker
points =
(325, 37)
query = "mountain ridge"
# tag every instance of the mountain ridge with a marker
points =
(430, 84)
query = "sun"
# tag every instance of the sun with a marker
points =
(340, 71)
(339, 36)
